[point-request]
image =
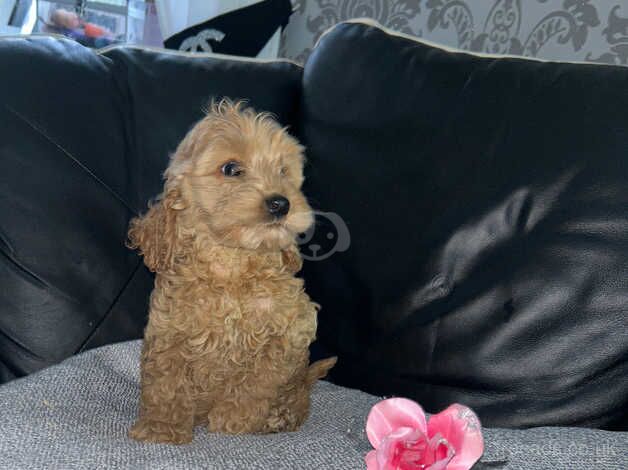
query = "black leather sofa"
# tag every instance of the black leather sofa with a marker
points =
(485, 201)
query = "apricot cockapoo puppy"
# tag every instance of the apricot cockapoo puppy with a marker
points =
(230, 325)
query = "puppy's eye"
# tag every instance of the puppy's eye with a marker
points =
(232, 169)
(283, 171)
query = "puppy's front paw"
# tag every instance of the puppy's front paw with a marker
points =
(158, 432)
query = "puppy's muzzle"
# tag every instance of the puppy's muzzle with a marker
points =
(277, 205)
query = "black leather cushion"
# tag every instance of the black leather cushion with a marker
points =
(83, 141)
(487, 203)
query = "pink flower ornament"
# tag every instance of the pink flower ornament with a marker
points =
(404, 440)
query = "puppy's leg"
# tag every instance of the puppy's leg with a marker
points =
(166, 406)
(292, 406)
(245, 404)
(242, 412)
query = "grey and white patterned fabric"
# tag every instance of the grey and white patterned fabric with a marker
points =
(75, 415)
(564, 30)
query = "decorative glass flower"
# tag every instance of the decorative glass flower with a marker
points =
(404, 440)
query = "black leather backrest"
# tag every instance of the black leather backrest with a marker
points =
(84, 139)
(165, 94)
(487, 205)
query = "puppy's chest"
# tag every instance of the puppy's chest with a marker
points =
(256, 308)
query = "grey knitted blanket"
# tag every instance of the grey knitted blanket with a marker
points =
(76, 414)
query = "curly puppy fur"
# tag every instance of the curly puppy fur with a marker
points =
(227, 339)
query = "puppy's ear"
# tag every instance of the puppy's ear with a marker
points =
(291, 259)
(154, 234)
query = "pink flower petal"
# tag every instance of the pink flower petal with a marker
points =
(393, 413)
(406, 448)
(443, 451)
(371, 460)
(398, 442)
(460, 426)
(440, 465)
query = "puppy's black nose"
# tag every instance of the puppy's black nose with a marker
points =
(277, 205)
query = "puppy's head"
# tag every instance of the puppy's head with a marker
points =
(242, 172)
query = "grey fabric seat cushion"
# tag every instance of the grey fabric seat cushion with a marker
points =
(76, 414)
